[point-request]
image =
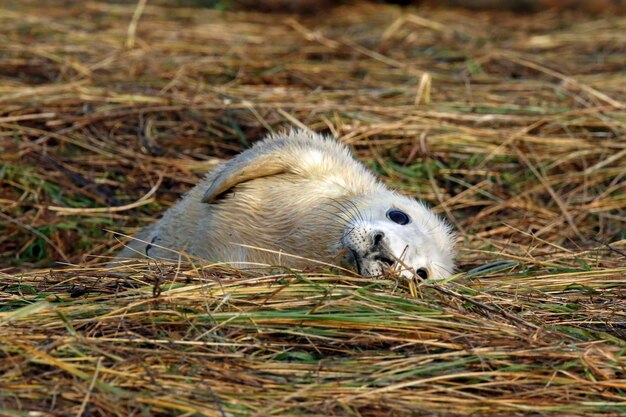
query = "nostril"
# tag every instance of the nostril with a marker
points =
(378, 238)
(422, 273)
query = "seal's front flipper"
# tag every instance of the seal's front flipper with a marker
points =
(243, 169)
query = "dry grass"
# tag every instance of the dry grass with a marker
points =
(512, 126)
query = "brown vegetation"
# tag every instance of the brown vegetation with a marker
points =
(511, 126)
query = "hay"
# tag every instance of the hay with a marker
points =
(512, 126)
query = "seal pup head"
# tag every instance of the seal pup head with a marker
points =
(390, 232)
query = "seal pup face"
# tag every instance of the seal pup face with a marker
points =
(390, 232)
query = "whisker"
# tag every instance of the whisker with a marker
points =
(340, 215)
(349, 207)
(356, 209)
(333, 203)
(348, 233)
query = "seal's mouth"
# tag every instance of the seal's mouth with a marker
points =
(372, 263)
(369, 253)
(384, 259)
(353, 259)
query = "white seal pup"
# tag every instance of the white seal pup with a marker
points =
(301, 194)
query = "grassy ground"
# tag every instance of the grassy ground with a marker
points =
(512, 126)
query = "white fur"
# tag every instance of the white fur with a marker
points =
(303, 194)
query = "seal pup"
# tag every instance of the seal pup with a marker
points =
(300, 193)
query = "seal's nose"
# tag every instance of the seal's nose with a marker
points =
(378, 238)
(379, 252)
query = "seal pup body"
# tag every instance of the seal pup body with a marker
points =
(300, 194)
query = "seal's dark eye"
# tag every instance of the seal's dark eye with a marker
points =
(422, 273)
(398, 216)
